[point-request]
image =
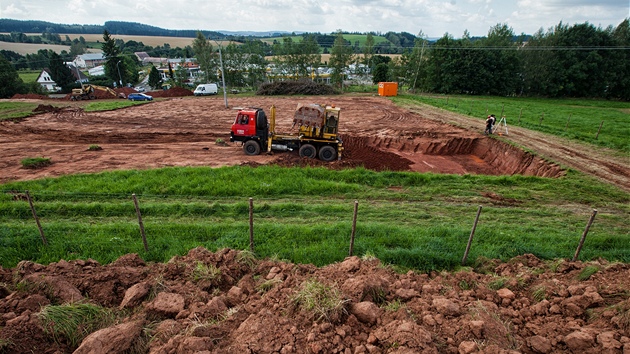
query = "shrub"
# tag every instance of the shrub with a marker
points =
(94, 147)
(324, 301)
(74, 322)
(36, 162)
(586, 273)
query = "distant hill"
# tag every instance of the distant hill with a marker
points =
(113, 27)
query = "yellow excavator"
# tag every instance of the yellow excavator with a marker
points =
(86, 92)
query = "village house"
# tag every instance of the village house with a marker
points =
(89, 60)
(46, 81)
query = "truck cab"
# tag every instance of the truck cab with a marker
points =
(251, 125)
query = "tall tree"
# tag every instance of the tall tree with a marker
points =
(60, 73)
(11, 82)
(155, 79)
(114, 67)
(205, 57)
(341, 55)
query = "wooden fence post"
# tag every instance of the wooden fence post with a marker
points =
(583, 238)
(568, 120)
(354, 227)
(470, 238)
(251, 225)
(519, 116)
(541, 119)
(598, 130)
(39, 226)
(144, 236)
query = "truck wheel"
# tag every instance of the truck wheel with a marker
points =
(308, 150)
(327, 153)
(251, 147)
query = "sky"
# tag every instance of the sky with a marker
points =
(432, 18)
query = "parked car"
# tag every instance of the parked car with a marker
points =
(139, 97)
(140, 89)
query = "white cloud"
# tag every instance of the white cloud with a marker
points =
(432, 17)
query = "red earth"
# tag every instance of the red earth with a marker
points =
(257, 306)
(183, 131)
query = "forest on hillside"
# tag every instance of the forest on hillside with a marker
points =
(579, 60)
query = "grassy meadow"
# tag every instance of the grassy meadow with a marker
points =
(410, 220)
(570, 118)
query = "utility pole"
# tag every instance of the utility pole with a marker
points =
(120, 77)
(222, 76)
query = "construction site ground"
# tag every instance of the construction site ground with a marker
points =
(525, 305)
(183, 131)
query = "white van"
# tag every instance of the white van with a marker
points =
(206, 89)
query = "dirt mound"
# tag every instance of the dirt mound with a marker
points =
(42, 108)
(301, 87)
(229, 302)
(30, 96)
(172, 92)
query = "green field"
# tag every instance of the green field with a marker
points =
(410, 220)
(16, 110)
(578, 120)
(29, 75)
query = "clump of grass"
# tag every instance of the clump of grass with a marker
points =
(587, 272)
(539, 293)
(376, 294)
(368, 256)
(5, 344)
(36, 162)
(267, 285)
(393, 306)
(246, 257)
(324, 301)
(205, 272)
(498, 283)
(465, 285)
(94, 147)
(221, 142)
(74, 322)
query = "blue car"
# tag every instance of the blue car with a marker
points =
(139, 97)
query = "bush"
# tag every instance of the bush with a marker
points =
(36, 162)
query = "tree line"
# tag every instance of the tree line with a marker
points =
(565, 61)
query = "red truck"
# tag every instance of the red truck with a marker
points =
(316, 136)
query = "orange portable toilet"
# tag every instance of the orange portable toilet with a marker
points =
(387, 88)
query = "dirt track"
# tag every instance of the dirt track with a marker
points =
(377, 135)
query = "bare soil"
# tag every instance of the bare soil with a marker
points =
(252, 307)
(183, 131)
(527, 306)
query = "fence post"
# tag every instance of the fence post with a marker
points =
(354, 227)
(251, 225)
(568, 120)
(519, 116)
(144, 236)
(447, 100)
(39, 226)
(541, 119)
(470, 238)
(583, 238)
(598, 130)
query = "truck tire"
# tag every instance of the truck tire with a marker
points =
(327, 153)
(308, 150)
(251, 147)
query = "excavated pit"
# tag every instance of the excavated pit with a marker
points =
(446, 154)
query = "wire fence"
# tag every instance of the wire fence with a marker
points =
(254, 221)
